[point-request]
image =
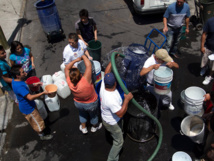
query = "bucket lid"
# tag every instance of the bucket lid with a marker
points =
(181, 156)
(195, 93)
(163, 72)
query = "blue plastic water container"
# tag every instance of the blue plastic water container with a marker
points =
(48, 16)
(135, 57)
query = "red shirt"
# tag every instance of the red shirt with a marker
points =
(83, 92)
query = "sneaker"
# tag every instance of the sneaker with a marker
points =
(203, 70)
(171, 107)
(207, 80)
(46, 137)
(94, 129)
(84, 131)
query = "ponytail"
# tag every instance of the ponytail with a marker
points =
(75, 76)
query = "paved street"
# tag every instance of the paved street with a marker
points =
(117, 26)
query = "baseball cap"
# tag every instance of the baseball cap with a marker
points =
(163, 55)
(109, 79)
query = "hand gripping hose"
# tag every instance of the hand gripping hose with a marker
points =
(119, 80)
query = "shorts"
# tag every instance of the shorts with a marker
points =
(36, 121)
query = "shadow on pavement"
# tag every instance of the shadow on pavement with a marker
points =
(143, 19)
(20, 23)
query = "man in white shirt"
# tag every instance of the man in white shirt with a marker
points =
(75, 49)
(112, 110)
(160, 58)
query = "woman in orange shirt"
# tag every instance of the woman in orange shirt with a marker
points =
(85, 97)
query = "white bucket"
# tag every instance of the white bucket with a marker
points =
(53, 103)
(162, 80)
(181, 156)
(63, 90)
(58, 75)
(193, 100)
(182, 96)
(41, 108)
(193, 127)
(46, 79)
(97, 70)
(62, 67)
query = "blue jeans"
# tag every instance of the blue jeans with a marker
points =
(88, 110)
(117, 135)
(173, 37)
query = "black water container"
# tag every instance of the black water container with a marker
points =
(139, 127)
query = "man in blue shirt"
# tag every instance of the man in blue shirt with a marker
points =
(173, 20)
(207, 48)
(27, 105)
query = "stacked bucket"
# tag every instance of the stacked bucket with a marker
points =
(193, 125)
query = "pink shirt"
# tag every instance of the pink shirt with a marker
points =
(83, 92)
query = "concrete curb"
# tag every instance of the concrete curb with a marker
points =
(6, 107)
(6, 111)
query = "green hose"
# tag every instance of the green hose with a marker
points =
(114, 68)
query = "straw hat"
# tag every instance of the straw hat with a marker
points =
(163, 55)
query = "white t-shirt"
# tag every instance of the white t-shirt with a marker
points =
(70, 53)
(151, 61)
(111, 103)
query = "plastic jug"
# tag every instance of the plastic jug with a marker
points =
(46, 79)
(58, 75)
(97, 70)
(62, 67)
(63, 90)
(41, 108)
(53, 103)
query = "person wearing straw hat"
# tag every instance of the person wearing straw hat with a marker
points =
(160, 58)
(27, 104)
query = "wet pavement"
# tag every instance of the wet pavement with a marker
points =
(117, 26)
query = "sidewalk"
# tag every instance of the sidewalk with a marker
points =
(12, 19)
